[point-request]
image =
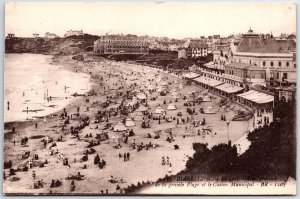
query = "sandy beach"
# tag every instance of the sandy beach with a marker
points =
(110, 78)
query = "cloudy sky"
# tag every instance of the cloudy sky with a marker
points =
(175, 20)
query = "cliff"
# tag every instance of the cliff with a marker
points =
(61, 46)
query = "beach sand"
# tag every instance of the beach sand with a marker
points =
(144, 165)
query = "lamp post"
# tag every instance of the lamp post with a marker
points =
(227, 123)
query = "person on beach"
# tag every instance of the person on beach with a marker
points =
(36, 125)
(34, 175)
(128, 155)
(163, 161)
(125, 157)
(170, 168)
(167, 161)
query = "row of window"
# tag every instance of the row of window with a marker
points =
(287, 64)
(101, 46)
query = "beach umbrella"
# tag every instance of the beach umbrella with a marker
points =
(129, 122)
(120, 127)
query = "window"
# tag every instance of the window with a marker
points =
(284, 76)
(279, 63)
(294, 65)
(272, 74)
(264, 63)
(272, 64)
(277, 75)
(287, 64)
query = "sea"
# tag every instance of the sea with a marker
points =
(30, 80)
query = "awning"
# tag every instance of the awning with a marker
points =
(208, 81)
(229, 88)
(257, 97)
(247, 93)
(209, 64)
(191, 75)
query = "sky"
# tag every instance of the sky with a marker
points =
(174, 20)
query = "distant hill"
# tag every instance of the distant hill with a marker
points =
(62, 46)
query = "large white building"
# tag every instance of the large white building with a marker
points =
(73, 32)
(49, 35)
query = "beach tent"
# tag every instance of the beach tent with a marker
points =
(120, 127)
(206, 99)
(175, 97)
(102, 136)
(164, 83)
(209, 110)
(151, 87)
(142, 108)
(141, 96)
(129, 122)
(190, 99)
(115, 139)
(160, 89)
(159, 110)
(171, 107)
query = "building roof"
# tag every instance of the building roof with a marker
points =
(254, 43)
(229, 88)
(253, 67)
(197, 44)
(257, 97)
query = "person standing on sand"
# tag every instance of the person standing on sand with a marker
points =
(170, 168)
(33, 175)
(128, 155)
(125, 157)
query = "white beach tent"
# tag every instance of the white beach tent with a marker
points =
(171, 107)
(159, 110)
(141, 96)
(129, 122)
(206, 99)
(120, 127)
(180, 86)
